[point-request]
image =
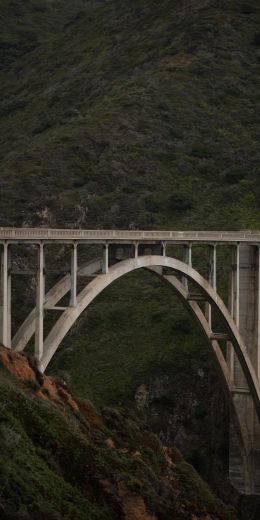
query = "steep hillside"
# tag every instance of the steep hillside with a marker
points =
(60, 459)
(119, 113)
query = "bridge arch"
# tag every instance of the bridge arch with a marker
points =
(241, 371)
(151, 262)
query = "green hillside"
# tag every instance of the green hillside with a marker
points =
(135, 113)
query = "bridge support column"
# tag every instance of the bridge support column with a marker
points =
(73, 275)
(258, 311)
(244, 306)
(237, 286)
(212, 280)
(5, 296)
(40, 297)
(105, 260)
(187, 258)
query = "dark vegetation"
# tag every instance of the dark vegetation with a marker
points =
(135, 114)
(119, 114)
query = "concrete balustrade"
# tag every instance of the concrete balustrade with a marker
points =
(35, 234)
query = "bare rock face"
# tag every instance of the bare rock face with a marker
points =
(17, 364)
(45, 387)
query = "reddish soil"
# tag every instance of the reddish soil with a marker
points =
(17, 364)
(182, 60)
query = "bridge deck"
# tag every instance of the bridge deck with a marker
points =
(127, 236)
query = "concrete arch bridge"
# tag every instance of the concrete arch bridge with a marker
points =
(159, 252)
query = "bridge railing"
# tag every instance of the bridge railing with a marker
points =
(102, 234)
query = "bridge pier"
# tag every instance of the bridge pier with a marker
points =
(187, 258)
(244, 307)
(105, 265)
(212, 277)
(5, 296)
(73, 275)
(40, 297)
